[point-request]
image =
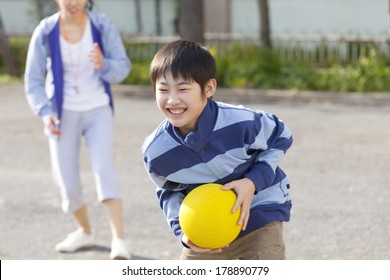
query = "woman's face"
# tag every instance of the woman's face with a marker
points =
(72, 8)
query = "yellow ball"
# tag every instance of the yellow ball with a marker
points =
(206, 216)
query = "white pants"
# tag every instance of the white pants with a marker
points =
(96, 126)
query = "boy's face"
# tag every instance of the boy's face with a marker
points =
(182, 101)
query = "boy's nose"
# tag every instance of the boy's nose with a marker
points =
(173, 98)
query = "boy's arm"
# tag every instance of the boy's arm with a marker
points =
(273, 140)
(170, 202)
(170, 196)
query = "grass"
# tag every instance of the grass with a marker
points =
(7, 79)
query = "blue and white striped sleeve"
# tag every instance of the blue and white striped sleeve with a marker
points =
(170, 202)
(274, 138)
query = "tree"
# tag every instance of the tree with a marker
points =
(388, 14)
(191, 25)
(157, 4)
(265, 28)
(138, 17)
(5, 51)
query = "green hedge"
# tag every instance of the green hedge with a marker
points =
(248, 65)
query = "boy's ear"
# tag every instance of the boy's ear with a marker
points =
(210, 88)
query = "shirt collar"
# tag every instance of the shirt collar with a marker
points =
(196, 140)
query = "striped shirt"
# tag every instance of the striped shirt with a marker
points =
(230, 143)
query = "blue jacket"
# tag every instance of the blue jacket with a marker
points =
(232, 142)
(44, 70)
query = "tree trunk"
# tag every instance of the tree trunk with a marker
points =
(265, 28)
(388, 14)
(191, 26)
(138, 11)
(5, 51)
(158, 17)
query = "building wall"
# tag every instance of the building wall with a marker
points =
(19, 17)
(122, 12)
(241, 17)
(313, 17)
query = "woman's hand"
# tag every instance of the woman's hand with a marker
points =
(52, 123)
(245, 190)
(96, 56)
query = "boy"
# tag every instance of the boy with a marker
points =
(203, 141)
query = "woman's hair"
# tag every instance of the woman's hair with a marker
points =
(187, 59)
(90, 5)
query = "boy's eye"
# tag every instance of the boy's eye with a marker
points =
(184, 89)
(162, 90)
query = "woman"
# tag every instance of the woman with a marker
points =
(73, 57)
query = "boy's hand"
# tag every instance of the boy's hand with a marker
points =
(195, 248)
(245, 190)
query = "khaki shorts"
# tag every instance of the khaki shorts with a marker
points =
(265, 243)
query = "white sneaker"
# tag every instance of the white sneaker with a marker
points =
(119, 250)
(76, 241)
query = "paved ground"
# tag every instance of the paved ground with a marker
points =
(338, 167)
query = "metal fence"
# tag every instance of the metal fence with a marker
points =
(315, 49)
(319, 50)
(329, 49)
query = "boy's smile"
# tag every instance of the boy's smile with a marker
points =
(182, 101)
(176, 111)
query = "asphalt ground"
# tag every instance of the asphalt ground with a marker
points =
(338, 167)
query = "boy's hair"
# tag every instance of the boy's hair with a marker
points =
(187, 59)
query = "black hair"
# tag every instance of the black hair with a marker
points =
(187, 59)
(90, 5)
